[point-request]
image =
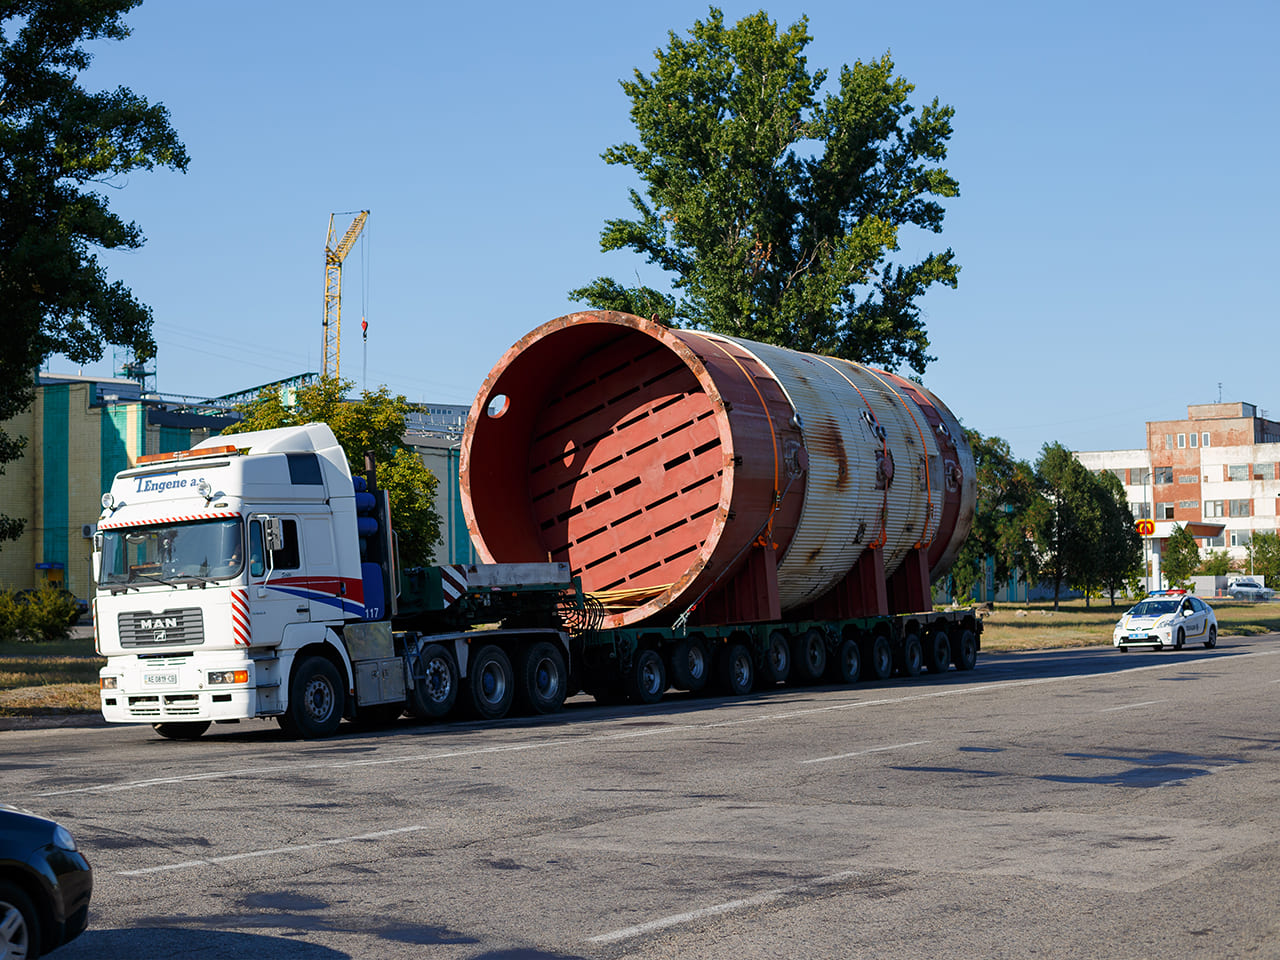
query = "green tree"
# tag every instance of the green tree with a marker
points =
(1216, 564)
(1068, 530)
(375, 423)
(59, 146)
(1180, 557)
(1119, 546)
(1009, 503)
(1264, 557)
(779, 212)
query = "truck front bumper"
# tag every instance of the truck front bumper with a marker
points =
(174, 691)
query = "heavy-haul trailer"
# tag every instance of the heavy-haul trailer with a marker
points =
(654, 508)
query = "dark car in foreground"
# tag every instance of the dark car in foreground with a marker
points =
(45, 885)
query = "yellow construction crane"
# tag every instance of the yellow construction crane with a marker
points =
(334, 254)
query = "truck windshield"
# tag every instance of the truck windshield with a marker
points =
(202, 549)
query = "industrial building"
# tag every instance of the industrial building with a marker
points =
(1216, 472)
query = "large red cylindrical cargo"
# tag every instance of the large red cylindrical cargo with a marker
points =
(656, 462)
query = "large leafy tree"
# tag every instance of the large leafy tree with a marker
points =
(374, 423)
(1119, 548)
(60, 146)
(777, 207)
(1180, 557)
(1264, 556)
(1067, 533)
(1010, 506)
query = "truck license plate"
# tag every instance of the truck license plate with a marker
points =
(160, 679)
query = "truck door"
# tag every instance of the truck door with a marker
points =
(320, 560)
(277, 589)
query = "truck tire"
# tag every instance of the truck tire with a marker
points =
(19, 923)
(647, 681)
(185, 730)
(937, 652)
(777, 659)
(846, 665)
(434, 695)
(912, 655)
(317, 700)
(734, 670)
(881, 659)
(690, 664)
(490, 683)
(965, 651)
(809, 656)
(544, 681)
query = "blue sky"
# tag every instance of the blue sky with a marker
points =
(1116, 226)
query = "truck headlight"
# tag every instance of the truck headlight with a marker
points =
(228, 676)
(106, 683)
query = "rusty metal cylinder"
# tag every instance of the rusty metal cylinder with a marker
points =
(654, 461)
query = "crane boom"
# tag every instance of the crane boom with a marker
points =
(334, 254)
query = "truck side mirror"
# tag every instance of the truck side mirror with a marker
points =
(275, 533)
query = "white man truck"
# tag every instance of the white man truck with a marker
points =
(254, 576)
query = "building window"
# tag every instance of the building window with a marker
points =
(1140, 511)
(1168, 441)
(1164, 511)
(1215, 508)
(1238, 508)
(1264, 471)
(1164, 474)
(1182, 440)
(1218, 541)
(1240, 538)
(1238, 471)
(1193, 439)
(1139, 475)
(1188, 478)
(1204, 442)
(1189, 504)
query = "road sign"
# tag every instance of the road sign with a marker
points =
(1146, 528)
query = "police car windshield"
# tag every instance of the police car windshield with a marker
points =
(1155, 608)
(199, 550)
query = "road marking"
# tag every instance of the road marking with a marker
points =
(863, 753)
(286, 770)
(1132, 706)
(266, 853)
(639, 930)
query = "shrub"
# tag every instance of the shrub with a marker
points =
(40, 616)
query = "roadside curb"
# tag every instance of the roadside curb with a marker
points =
(55, 721)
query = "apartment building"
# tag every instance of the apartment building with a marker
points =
(1216, 473)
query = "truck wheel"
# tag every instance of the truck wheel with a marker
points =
(845, 666)
(491, 683)
(435, 693)
(187, 730)
(316, 700)
(544, 681)
(937, 652)
(690, 664)
(19, 923)
(809, 656)
(735, 670)
(912, 655)
(881, 658)
(647, 681)
(777, 658)
(965, 653)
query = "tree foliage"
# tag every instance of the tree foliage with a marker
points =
(778, 209)
(1008, 509)
(59, 146)
(1264, 557)
(1119, 546)
(1180, 557)
(375, 423)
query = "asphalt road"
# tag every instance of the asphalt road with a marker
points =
(1084, 803)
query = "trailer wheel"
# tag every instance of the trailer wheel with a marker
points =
(690, 664)
(491, 683)
(965, 653)
(434, 694)
(316, 700)
(846, 665)
(809, 657)
(937, 652)
(647, 681)
(187, 730)
(881, 658)
(735, 670)
(777, 658)
(544, 681)
(912, 655)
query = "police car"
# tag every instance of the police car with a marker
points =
(1167, 618)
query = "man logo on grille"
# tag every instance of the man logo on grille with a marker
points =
(159, 636)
